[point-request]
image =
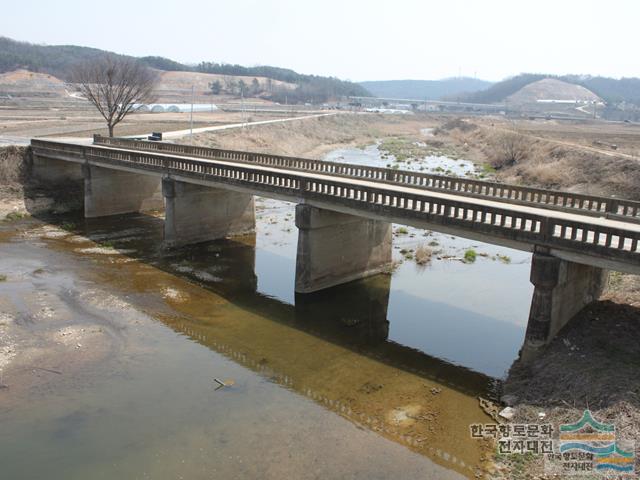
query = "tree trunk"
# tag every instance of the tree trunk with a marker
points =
(110, 130)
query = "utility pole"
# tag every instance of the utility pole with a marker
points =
(191, 121)
(242, 107)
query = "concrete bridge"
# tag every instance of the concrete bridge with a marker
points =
(344, 214)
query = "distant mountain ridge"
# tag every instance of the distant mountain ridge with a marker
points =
(425, 89)
(58, 60)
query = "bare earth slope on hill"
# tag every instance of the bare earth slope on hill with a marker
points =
(552, 89)
(201, 81)
(23, 82)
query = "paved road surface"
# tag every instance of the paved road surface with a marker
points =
(14, 140)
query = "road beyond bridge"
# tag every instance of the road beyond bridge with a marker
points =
(344, 214)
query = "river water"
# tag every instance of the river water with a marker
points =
(378, 378)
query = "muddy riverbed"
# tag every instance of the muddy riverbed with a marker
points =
(120, 359)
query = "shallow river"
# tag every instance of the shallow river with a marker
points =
(374, 379)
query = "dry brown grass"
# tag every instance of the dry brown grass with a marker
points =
(509, 149)
(12, 166)
(314, 137)
(559, 167)
(423, 255)
(457, 123)
(522, 159)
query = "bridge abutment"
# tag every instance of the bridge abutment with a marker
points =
(113, 192)
(336, 248)
(54, 171)
(562, 289)
(197, 213)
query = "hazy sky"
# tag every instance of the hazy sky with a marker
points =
(356, 40)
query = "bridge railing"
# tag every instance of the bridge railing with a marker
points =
(586, 204)
(581, 237)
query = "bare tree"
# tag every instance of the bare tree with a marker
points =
(115, 86)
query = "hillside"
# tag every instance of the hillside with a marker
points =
(552, 89)
(425, 89)
(501, 90)
(610, 90)
(59, 60)
(181, 81)
(22, 82)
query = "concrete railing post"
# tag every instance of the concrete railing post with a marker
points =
(612, 206)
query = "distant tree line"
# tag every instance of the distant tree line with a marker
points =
(611, 90)
(60, 60)
(55, 60)
(232, 86)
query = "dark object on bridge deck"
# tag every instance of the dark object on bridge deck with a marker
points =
(155, 137)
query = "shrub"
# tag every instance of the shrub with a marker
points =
(68, 226)
(13, 216)
(470, 255)
(509, 148)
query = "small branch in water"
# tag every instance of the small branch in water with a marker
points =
(44, 369)
(222, 384)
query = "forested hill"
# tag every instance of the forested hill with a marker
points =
(611, 90)
(58, 60)
(425, 89)
(307, 84)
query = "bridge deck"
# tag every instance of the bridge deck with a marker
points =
(545, 198)
(604, 242)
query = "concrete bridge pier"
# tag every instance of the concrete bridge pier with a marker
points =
(197, 213)
(335, 248)
(562, 289)
(112, 192)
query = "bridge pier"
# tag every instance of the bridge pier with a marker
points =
(335, 248)
(562, 289)
(112, 192)
(197, 213)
